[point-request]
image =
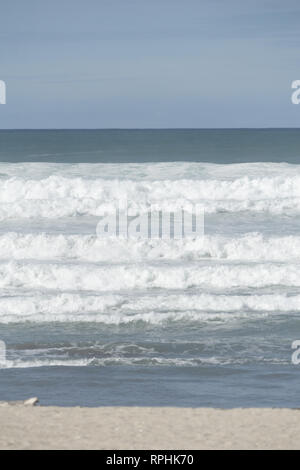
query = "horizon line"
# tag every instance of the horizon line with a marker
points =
(139, 128)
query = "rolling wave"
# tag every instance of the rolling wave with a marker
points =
(103, 278)
(71, 278)
(131, 361)
(248, 247)
(152, 309)
(58, 196)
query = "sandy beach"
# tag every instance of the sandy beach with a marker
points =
(27, 427)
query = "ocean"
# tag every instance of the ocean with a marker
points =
(97, 321)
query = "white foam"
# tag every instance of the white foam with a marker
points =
(59, 191)
(147, 171)
(105, 278)
(152, 309)
(252, 247)
(22, 364)
(134, 361)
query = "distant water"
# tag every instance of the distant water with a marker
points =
(91, 321)
(137, 146)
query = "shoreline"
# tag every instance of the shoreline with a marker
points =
(137, 428)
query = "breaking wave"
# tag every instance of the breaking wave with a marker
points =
(249, 247)
(57, 192)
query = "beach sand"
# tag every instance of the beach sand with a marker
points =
(28, 427)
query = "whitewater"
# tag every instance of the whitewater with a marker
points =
(207, 311)
(55, 191)
(68, 198)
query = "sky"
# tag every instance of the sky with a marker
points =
(149, 63)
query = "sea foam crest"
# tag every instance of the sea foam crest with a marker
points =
(58, 196)
(251, 247)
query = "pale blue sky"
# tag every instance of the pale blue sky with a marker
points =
(149, 63)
